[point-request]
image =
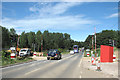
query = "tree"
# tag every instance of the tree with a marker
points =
(67, 41)
(46, 40)
(23, 40)
(38, 39)
(12, 31)
(31, 39)
(103, 38)
(13, 37)
(5, 37)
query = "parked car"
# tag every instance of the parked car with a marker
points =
(24, 52)
(72, 52)
(54, 54)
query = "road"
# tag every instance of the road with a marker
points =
(68, 67)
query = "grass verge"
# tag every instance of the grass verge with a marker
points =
(15, 61)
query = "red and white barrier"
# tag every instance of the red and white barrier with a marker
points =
(93, 61)
(13, 56)
(41, 54)
(88, 54)
(114, 58)
(34, 54)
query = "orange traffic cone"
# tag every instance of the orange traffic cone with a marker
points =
(98, 66)
(93, 62)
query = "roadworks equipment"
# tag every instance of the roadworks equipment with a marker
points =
(93, 61)
(98, 66)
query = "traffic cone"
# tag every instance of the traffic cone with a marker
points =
(92, 59)
(98, 66)
(93, 62)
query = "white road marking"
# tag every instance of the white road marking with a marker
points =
(80, 63)
(80, 76)
(63, 59)
(33, 71)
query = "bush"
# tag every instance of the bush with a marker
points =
(5, 55)
(45, 53)
(62, 50)
(98, 52)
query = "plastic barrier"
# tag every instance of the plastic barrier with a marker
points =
(114, 57)
(88, 54)
(13, 56)
(34, 54)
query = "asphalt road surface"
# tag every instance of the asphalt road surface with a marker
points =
(68, 67)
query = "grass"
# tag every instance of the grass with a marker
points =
(44, 53)
(118, 49)
(6, 59)
(15, 61)
(65, 52)
(0, 63)
(98, 51)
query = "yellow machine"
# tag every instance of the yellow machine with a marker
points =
(13, 49)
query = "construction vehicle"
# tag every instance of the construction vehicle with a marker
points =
(14, 50)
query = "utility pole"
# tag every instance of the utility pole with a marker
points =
(110, 42)
(92, 42)
(17, 44)
(34, 46)
(92, 47)
(95, 43)
(41, 42)
(113, 46)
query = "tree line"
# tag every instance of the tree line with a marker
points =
(56, 40)
(47, 40)
(105, 37)
(34, 40)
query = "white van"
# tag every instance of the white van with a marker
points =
(24, 52)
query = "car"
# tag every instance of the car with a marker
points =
(54, 54)
(24, 52)
(72, 52)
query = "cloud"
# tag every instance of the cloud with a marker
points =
(52, 9)
(49, 17)
(112, 15)
(60, 1)
(55, 23)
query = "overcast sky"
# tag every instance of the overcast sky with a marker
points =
(75, 18)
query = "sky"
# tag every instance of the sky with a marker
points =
(75, 18)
